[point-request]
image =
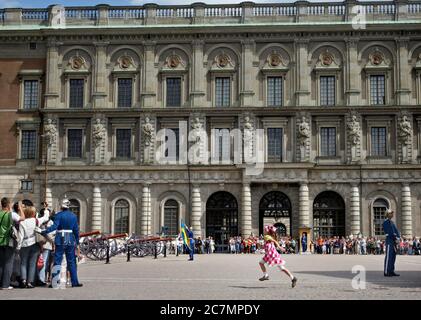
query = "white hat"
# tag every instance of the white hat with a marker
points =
(65, 204)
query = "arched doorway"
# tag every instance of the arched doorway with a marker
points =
(275, 209)
(121, 216)
(221, 217)
(171, 214)
(328, 215)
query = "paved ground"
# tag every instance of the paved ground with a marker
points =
(223, 276)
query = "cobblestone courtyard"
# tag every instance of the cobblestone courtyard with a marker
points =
(222, 276)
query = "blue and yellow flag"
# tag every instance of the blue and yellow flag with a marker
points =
(184, 234)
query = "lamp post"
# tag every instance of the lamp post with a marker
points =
(47, 144)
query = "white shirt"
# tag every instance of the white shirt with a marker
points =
(27, 229)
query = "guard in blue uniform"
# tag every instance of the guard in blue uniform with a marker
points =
(191, 240)
(66, 241)
(304, 241)
(392, 238)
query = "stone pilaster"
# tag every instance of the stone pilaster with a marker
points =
(246, 215)
(247, 73)
(198, 83)
(196, 212)
(149, 88)
(406, 211)
(99, 95)
(302, 73)
(304, 206)
(353, 78)
(96, 208)
(146, 218)
(355, 209)
(48, 196)
(52, 85)
(403, 92)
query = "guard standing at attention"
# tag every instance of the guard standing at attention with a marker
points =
(392, 239)
(66, 241)
(191, 240)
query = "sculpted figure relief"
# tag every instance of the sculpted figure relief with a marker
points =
(147, 130)
(197, 127)
(354, 131)
(405, 130)
(50, 132)
(304, 132)
(248, 129)
(98, 132)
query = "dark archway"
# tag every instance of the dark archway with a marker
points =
(281, 229)
(277, 205)
(328, 215)
(221, 217)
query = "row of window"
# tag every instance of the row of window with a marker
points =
(222, 92)
(274, 136)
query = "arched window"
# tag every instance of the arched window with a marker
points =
(328, 215)
(75, 208)
(121, 216)
(379, 210)
(171, 217)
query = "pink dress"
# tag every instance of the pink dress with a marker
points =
(272, 256)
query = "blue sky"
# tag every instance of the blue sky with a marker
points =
(46, 3)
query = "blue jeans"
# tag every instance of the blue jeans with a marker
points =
(191, 249)
(28, 262)
(46, 257)
(71, 262)
(7, 255)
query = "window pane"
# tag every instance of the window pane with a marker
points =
(173, 92)
(121, 217)
(74, 143)
(274, 91)
(28, 144)
(379, 210)
(222, 146)
(124, 93)
(76, 93)
(124, 142)
(171, 217)
(222, 90)
(377, 89)
(30, 94)
(327, 90)
(75, 208)
(328, 142)
(274, 136)
(378, 141)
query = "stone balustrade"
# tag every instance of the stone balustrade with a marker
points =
(201, 13)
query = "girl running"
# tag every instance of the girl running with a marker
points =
(272, 256)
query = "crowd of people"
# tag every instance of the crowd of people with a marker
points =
(26, 256)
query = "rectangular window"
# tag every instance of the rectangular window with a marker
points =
(222, 148)
(274, 91)
(177, 144)
(173, 92)
(28, 144)
(328, 142)
(377, 89)
(274, 136)
(124, 143)
(379, 214)
(74, 143)
(31, 94)
(26, 185)
(378, 142)
(125, 91)
(223, 91)
(327, 90)
(76, 93)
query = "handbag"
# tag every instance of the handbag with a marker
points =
(39, 238)
(40, 262)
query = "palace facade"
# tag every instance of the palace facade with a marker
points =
(335, 87)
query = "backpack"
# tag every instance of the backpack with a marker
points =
(5, 228)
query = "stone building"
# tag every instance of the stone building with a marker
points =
(336, 89)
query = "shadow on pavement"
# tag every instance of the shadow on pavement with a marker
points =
(407, 279)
